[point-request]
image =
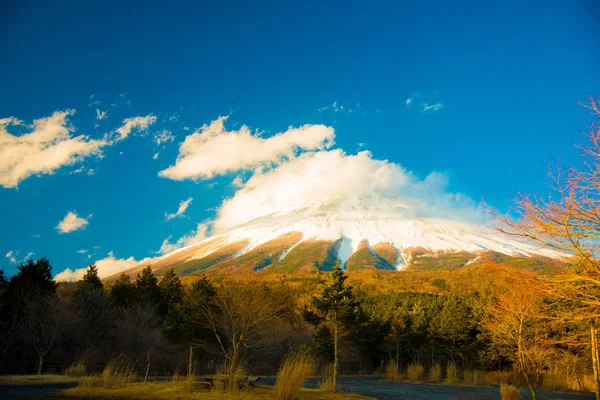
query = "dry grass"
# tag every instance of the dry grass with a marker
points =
(168, 390)
(78, 369)
(392, 372)
(415, 372)
(327, 384)
(435, 373)
(509, 392)
(451, 374)
(116, 375)
(295, 369)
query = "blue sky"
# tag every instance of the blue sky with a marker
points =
(493, 91)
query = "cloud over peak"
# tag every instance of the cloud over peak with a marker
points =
(213, 150)
(46, 148)
(71, 222)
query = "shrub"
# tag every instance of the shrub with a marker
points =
(509, 392)
(415, 372)
(435, 373)
(392, 372)
(294, 371)
(555, 383)
(327, 384)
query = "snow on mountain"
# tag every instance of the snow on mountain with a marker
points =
(345, 224)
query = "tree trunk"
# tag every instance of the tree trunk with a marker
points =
(41, 364)
(335, 355)
(595, 364)
(190, 363)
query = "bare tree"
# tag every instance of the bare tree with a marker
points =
(236, 315)
(569, 222)
(39, 325)
(518, 328)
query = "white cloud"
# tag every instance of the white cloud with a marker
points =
(106, 267)
(136, 123)
(193, 237)
(238, 182)
(183, 205)
(71, 222)
(408, 101)
(100, 115)
(10, 257)
(155, 156)
(215, 151)
(317, 178)
(163, 137)
(45, 149)
(432, 107)
(82, 251)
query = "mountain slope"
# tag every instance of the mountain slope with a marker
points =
(371, 232)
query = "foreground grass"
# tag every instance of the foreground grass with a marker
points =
(169, 390)
(23, 380)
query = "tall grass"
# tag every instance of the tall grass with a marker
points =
(77, 369)
(118, 373)
(392, 373)
(509, 392)
(294, 371)
(415, 372)
(435, 373)
(451, 374)
(327, 384)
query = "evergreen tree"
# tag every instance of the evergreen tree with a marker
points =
(146, 286)
(91, 277)
(171, 291)
(123, 291)
(181, 323)
(33, 278)
(335, 304)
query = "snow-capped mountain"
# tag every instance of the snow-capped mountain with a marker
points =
(367, 232)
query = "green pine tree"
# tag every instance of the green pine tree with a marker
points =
(91, 277)
(123, 291)
(336, 304)
(146, 286)
(171, 291)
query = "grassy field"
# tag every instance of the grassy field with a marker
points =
(170, 390)
(28, 380)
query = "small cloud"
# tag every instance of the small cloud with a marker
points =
(136, 123)
(100, 115)
(155, 156)
(81, 251)
(35, 235)
(28, 256)
(71, 223)
(10, 257)
(163, 137)
(186, 128)
(409, 101)
(91, 171)
(183, 205)
(361, 145)
(432, 107)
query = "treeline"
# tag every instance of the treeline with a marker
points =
(163, 327)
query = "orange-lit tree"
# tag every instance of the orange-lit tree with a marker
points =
(569, 222)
